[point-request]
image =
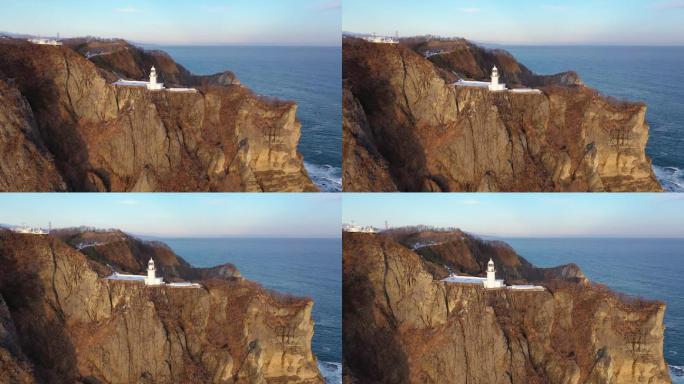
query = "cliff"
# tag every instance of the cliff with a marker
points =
(61, 322)
(25, 163)
(93, 136)
(362, 162)
(402, 325)
(433, 136)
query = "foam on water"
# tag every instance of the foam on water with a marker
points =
(671, 178)
(677, 374)
(332, 372)
(326, 177)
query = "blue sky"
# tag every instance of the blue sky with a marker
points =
(181, 215)
(525, 215)
(267, 22)
(630, 22)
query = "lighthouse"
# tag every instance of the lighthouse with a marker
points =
(153, 85)
(494, 86)
(152, 278)
(491, 281)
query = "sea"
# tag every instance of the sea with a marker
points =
(652, 75)
(647, 268)
(302, 267)
(310, 76)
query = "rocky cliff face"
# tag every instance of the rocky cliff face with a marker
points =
(434, 136)
(401, 325)
(61, 322)
(25, 163)
(107, 138)
(362, 162)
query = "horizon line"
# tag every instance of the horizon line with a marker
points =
(514, 43)
(550, 236)
(8, 226)
(619, 237)
(298, 237)
(172, 43)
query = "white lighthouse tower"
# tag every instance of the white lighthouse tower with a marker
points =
(153, 85)
(494, 86)
(152, 278)
(491, 281)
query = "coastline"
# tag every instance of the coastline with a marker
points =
(626, 72)
(309, 76)
(265, 260)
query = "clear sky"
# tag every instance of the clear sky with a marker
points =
(263, 22)
(525, 215)
(181, 215)
(625, 22)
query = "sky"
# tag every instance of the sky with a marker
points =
(602, 22)
(181, 215)
(201, 22)
(525, 215)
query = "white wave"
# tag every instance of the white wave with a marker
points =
(676, 373)
(326, 177)
(671, 178)
(332, 372)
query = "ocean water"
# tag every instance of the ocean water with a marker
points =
(653, 75)
(303, 267)
(648, 268)
(311, 76)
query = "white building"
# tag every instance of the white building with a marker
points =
(526, 288)
(494, 86)
(529, 91)
(152, 278)
(149, 279)
(380, 40)
(454, 278)
(41, 41)
(153, 85)
(358, 228)
(473, 84)
(491, 281)
(29, 231)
